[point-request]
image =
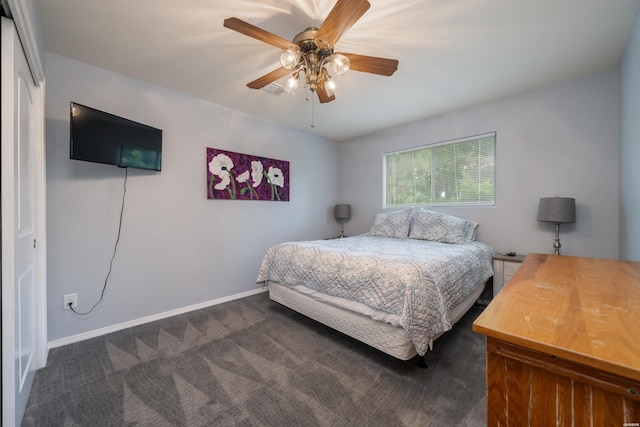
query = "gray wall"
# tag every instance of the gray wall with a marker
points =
(560, 140)
(630, 148)
(177, 248)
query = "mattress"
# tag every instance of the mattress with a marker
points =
(418, 282)
(370, 326)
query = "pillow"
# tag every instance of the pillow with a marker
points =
(391, 224)
(472, 230)
(439, 227)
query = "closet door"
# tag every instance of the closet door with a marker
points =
(20, 143)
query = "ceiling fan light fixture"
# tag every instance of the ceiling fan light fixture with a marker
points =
(309, 54)
(289, 58)
(340, 63)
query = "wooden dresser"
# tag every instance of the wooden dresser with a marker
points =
(563, 344)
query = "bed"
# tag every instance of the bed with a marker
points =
(396, 288)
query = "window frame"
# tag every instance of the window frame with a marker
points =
(432, 146)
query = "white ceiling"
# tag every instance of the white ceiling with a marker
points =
(452, 53)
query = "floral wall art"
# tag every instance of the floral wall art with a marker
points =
(237, 176)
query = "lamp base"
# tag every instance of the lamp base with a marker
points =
(556, 244)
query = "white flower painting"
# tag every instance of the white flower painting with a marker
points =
(257, 178)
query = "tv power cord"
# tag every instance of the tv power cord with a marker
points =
(115, 249)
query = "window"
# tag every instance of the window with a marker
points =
(450, 173)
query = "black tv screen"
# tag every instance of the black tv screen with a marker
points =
(101, 137)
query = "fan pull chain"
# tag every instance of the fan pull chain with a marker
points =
(313, 111)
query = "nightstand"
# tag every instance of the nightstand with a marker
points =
(504, 267)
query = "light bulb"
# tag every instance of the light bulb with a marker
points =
(340, 63)
(289, 58)
(330, 87)
(291, 85)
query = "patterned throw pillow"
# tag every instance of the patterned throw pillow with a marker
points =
(391, 224)
(438, 227)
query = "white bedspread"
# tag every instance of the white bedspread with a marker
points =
(418, 280)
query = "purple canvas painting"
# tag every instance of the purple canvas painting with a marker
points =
(237, 176)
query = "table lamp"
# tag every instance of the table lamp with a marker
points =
(342, 212)
(558, 210)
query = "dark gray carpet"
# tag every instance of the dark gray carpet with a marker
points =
(252, 362)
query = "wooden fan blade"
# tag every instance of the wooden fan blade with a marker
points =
(268, 78)
(372, 64)
(247, 29)
(323, 96)
(343, 15)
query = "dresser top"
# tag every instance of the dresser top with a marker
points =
(586, 310)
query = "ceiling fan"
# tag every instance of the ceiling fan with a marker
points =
(307, 56)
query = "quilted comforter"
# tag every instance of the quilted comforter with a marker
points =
(418, 280)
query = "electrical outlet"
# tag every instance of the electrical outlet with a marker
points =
(70, 298)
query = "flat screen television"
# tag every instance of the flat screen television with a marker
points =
(101, 137)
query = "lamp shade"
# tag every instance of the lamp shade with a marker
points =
(557, 210)
(343, 211)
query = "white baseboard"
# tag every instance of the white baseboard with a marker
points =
(114, 328)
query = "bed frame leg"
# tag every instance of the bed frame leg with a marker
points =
(421, 362)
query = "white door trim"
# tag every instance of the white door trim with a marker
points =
(23, 14)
